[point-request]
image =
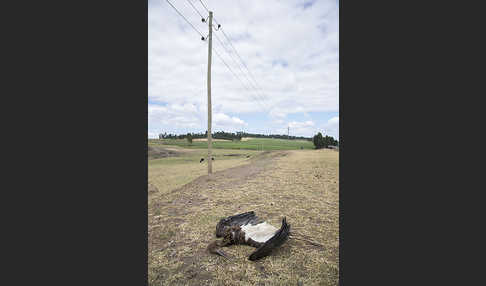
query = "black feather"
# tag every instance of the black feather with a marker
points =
(280, 237)
(277, 240)
(239, 220)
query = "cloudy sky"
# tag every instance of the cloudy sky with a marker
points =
(290, 48)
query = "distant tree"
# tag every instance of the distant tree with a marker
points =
(330, 141)
(324, 142)
(189, 138)
(318, 141)
(161, 136)
(327, 141)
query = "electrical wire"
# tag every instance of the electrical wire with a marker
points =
(185, 18)
(202, 17)
(217, 53)
(242, 61)
(229, 41)
(242, 72)
(236, 76)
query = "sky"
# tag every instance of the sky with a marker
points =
(290, 48)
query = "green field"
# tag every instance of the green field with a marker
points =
(251, 144)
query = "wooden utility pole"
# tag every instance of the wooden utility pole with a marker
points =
(210, 139)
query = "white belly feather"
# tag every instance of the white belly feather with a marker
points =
(260, 232)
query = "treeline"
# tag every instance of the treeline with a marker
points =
(231, 136)
(215, 135)
(182, 136)
(277, 136)
(318, 140)
(324, 142)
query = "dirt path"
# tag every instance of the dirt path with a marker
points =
(301, 185)
(181, 201)
(235, 176)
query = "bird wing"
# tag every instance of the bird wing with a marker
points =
(236, 220)
(275, 241)
(270, 242)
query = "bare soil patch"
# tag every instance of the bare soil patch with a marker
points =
(155, 152)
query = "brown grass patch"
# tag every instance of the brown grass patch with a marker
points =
(301, 185)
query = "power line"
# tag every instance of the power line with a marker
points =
(208, 11)
(195, 8)
(235, 75)
(232, 57)
(226, 50)
(213, 48)
(185, 19)
(227, 38)
(205, 7)
(243, 62)
(255, 98)
(187, 22)
(221, 58)
(242, 72)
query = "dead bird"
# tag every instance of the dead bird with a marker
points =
(248, 229)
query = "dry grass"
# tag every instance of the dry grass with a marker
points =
(169, 173)
(301, 185)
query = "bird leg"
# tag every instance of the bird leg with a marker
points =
(299, 236)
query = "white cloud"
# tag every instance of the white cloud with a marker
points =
(184, 107)
(295, 124)
(282, 112)
(291, 52)
(182, 118)
(331, 127)
(298, 128)
(153, 135)
(334, 121)
(174, 116)
(221, 120)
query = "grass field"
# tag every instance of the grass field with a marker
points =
(172, 172)
(184, 206)
(265, 144)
